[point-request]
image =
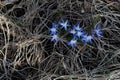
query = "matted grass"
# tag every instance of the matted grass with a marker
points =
(26, 52)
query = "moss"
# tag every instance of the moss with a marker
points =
(93, 23)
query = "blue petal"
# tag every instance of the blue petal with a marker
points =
(98, 31)
(78, 28)
(64, 24)
(55, 38)
(73, 43)
(54, 25)
(87, 39)
(53, 30)
(79, 34)
(73, 31)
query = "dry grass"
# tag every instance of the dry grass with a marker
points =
(26, 52)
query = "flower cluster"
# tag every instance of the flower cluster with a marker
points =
(54, 33)
(77, 33)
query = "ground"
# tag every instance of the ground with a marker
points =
(26, 50)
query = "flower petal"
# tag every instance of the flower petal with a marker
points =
(64, 24)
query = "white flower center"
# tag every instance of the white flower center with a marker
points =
(89, 37)
(53, 29)
(73, 31)
(79, 33)
(55, 36)
(73, 41)
(77, 28)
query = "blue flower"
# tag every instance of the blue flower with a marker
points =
(79, 34)
(73, 31)
(54, 25)
(87, 39)
(78, 28)
(98, 31)
(55, 38)
(53, 30)
(64, 24)
(73, 43)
